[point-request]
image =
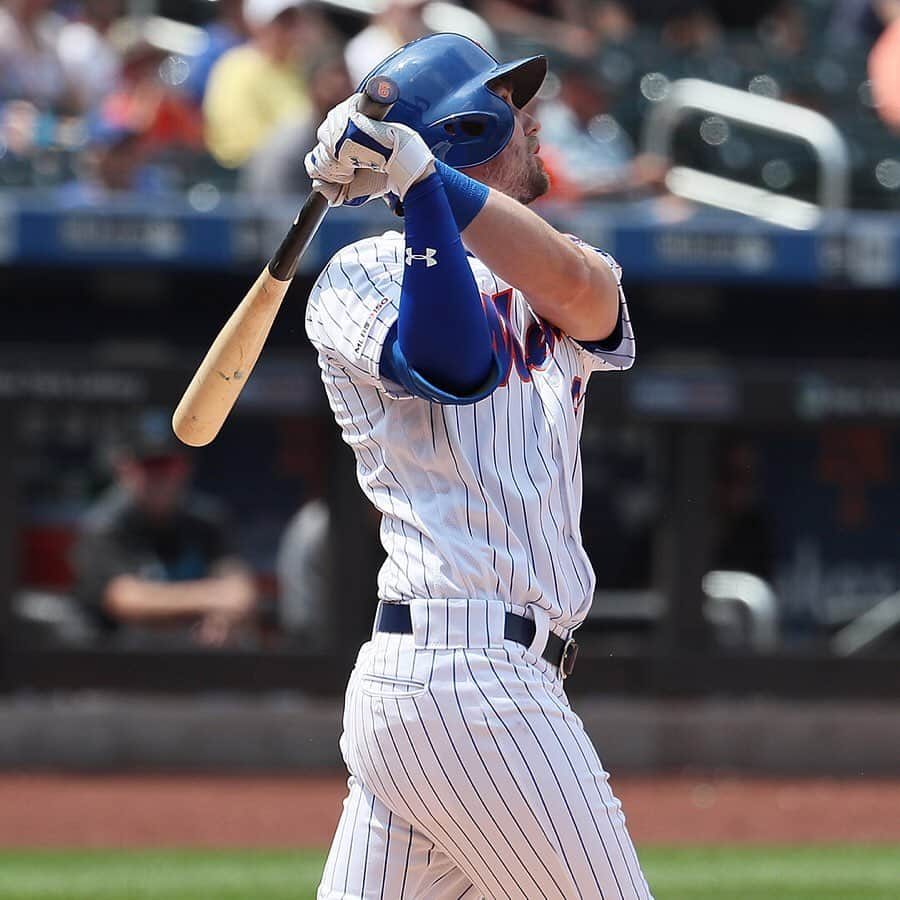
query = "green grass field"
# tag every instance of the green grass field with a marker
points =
(721, 873)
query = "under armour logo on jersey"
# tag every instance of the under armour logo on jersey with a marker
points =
(429, 256)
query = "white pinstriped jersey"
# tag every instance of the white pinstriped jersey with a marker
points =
(480, 500)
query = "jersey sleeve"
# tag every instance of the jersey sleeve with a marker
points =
(353, 308)
(616, 352)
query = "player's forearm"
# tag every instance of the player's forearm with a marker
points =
(441, 326)
(132, 599)
(563, 281)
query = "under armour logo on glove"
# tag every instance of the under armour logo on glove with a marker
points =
(429, 256)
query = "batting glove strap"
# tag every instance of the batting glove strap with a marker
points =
(407, 157)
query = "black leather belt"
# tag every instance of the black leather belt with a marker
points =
(394, 618)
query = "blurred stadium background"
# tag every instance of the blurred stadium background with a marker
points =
(739, 671)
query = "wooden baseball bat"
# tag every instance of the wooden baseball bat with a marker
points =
(228, 363)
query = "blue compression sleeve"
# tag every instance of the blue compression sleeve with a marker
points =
(466, 195)
(441, 348)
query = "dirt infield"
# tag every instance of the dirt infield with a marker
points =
(301, 811)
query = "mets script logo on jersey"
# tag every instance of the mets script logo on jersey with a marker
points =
(527, 355)
(429, 256)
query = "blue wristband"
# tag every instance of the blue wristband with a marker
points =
(465, 195)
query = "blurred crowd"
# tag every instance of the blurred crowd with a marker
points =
(98, 97)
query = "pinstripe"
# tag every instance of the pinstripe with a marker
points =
(406, 863)
(435, 820)
(352, 832)
(459, 474)
(487, 524)
(402, 490)
(455, 849)
(557, 524)
(529, 596)
(537, 788)
(502, 493)
(485, 869)
(550, 565)
(577, 781)
(592, 762)
(365, 865)
(391, 507)
(490, 777)
(477, 796)
(387, 850)
(551, 768)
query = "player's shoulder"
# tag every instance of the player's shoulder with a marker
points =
(362, 261)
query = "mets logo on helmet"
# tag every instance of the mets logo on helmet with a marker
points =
(429, 256)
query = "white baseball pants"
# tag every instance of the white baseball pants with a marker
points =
(470, 774)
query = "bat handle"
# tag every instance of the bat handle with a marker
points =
(379, 96)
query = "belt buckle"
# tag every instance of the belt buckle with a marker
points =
(567, 660)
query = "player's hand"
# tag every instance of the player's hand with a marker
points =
(350, 142)
(342, 187)
(341, 182)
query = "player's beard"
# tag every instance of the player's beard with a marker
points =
(520, 175)
(536, 181)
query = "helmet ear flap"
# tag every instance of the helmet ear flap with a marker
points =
(467, 133)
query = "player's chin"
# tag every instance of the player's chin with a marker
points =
(538, 183)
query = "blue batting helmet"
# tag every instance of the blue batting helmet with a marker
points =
(446, 84)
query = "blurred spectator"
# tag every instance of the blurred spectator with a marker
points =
(306, 567)
(114, 162)
(227, 30)
(303, 567)
(559, 24)
(859, 23)
(258, 86)
(396, 23)
(149, 99)
(153, 561)
(30, 66)
(89, 59)
(690, 29)
(587, 152)
(884, 70)
(276, 169)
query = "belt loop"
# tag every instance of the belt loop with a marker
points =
(541, 630)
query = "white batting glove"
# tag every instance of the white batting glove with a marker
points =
(350, 142)
(406, 158)
(366, 185)
(340, 183)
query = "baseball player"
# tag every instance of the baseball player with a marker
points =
(455, 356)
